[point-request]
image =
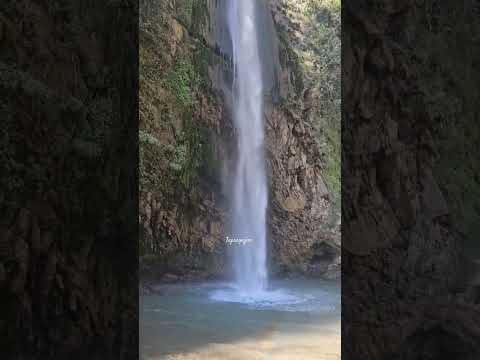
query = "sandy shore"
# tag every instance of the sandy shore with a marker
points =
(319, 343)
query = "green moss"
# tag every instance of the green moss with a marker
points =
(185, 156)
(200, 16)
(210, 162)
(324, 50)
(289, 58)
(182, 81)
(193, 14)
(201, 59)
(313, 7)
(184, 11)
(178, 165)
(150, 150)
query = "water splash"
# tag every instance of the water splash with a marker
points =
(250, 185)
(281, 299)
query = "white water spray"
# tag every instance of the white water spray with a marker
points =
(250, 185)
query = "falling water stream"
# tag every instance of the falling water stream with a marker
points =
(250, 185)
(253, 57)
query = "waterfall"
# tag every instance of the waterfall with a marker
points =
(249, 198)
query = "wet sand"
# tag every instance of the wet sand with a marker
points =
(316, 344)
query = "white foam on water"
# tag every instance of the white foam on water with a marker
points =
(277, 299)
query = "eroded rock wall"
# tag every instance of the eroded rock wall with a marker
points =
(402, 274)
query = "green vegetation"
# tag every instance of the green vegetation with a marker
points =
(186, 157)
(185, 154)
(192, 13)
(182, 81)
(150, 149)
(323, 63)
(314, 7)
(199, 15)
(191, 151)
(201, 60)
(173, 148)
(184, 11)
(315, 62)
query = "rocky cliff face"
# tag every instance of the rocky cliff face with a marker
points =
(187, 142)
(68, 283)
(402, 256)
